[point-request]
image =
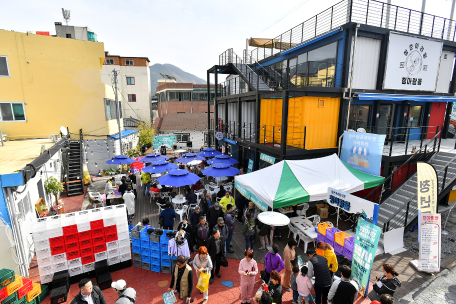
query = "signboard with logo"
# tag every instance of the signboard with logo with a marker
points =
(366, 241)
(430, 245)
(412, 63)
(167, 141)
(219, 135)
(426, 188)
(250, 167)
(352, 204)
(267, 158)
(363, 151)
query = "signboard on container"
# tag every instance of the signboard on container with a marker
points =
(363, 151)
(430, 245)
(412, 63)
(167, 141)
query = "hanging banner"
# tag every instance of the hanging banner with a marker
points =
(167, 141)
(367, 236)
(426, 188)
(267, 158)
(412, 63)
(430, 245)
(363, 151)
(352, 204)
(250, 167)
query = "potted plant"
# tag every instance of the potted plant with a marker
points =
(53, 186)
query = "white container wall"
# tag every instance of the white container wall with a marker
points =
(367, 58)
(445, 72)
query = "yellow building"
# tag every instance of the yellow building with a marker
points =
(48, 82)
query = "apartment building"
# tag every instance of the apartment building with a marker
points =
(134, 83)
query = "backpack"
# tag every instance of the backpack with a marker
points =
(203, 232)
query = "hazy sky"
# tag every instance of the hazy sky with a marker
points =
(189, 34)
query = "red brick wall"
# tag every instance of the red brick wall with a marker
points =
(183, 106)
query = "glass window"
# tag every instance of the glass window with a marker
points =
(359, 117)
(4, 71)
(129, 62)
(12, 112)
(293, 70)
(182, 137)
(109, 61)
(173, 96)
(185, 96)
(18, 111)
(111, 109)
(414, 116)
(322, 65)
(302, 71)
(108, 109)
(132, 97)
(130, 80)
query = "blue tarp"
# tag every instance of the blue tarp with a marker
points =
(125, 133)
(393, 97)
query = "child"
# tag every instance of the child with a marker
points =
(304, 285)
(294, 286)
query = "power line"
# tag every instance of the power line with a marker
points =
(283, 16)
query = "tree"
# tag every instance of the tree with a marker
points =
(146, 133)
(53, 186)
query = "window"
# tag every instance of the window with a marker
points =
(414, 116)
(111, 109)
(11, 111)
(182, 137)
(130, 80)
(4, 69)
(173, 96)
(109, 61)
(185, 96)
(180, 112)
(199, 96)
(322, 65)
(132, 97)
(359, 117)
(68, 35)
(129, 62)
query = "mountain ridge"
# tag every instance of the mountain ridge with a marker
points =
(172, 70)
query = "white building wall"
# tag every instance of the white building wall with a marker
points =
(196, 137)
(367, 58)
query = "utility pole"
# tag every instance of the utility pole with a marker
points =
(118, 111)
(451, 21)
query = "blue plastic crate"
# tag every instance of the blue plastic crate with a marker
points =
(136, 248)
(145, 244)
(164, 238)
(136, 242)
(164, 253)
(155, 260)
(155, 253)
(174, 257)
(145, 258)
(145, 251)
(164, 246)
(166, 261)
(155, 267)
(154, 245)
(144, 235)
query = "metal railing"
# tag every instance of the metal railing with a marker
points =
(401, 174)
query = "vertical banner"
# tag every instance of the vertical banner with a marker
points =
(250, 167)
(430, 245)
(367, 236)
(363, 151)
(427, 187)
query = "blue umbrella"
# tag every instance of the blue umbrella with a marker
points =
(222, 159)
(209, 152)
(178, 178)
(159, 166)
(152, 157)
(120, 160)
(188, 157)
(220, 170)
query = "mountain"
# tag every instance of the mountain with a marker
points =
(172, 70)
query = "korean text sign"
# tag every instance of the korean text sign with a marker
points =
(363, 151)
(426, 188)
(430, 245)
(351, 203)
(367, 236)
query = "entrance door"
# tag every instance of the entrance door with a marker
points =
(384, 119)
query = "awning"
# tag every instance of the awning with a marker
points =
(393, 97)
(125, 133)
(291, 182)
(262, 42)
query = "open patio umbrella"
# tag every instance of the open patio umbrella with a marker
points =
(178, 178)
(188, 157)
(273, 218)
(150, 158)
(159, 166)
(120, 160)
(222, 159)
(221, 170)
(209, 152)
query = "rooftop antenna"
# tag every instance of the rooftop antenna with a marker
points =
(66, 15)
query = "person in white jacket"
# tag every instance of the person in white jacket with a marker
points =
(109, 189)
(129, 200)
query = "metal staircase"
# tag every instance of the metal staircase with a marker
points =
(256, 82)
(74, 175)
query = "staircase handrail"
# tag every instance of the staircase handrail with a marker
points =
(387, 179)
(386, 224)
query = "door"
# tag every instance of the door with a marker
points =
(385, 113)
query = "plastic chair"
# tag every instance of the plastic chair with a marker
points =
(314, 219)
(182, 212)
(293, 230)
(306, 240)
(159, 208)
(304, 209)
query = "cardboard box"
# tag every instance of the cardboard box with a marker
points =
(322, 211)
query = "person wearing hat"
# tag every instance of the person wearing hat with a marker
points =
(213, 214)
(227, 199)
(88, 293)
(126, 295)
(223, 229)
(182, 279)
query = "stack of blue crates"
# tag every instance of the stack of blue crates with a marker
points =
(136, 246)
(155, 253)
(145, 248)
(165, 258)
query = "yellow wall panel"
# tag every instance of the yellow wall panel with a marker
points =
(270, 120)
(452, 196)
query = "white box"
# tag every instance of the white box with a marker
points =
(99, 256)
(46, 269)
(46, 278)
(112, 245)
(59, 257)
(42, 244)
(123, 234)
(113, 260)
(125, 256)
(43, 253)
(45, 261)
(88, 267)
(63, 265)
(74, 262)
(124, 249)
(75, 271)
(113, 252)
(95, 214)
(123, 242)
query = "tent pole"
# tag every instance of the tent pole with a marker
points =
(337, 220)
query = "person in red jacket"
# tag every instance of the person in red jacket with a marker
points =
(384, 299)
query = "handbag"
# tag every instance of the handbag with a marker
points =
(264, 275)
(203, 282)
(223, 261)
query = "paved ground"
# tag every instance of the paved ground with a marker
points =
(442, 289)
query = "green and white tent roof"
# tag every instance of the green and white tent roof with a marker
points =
(291, 182)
